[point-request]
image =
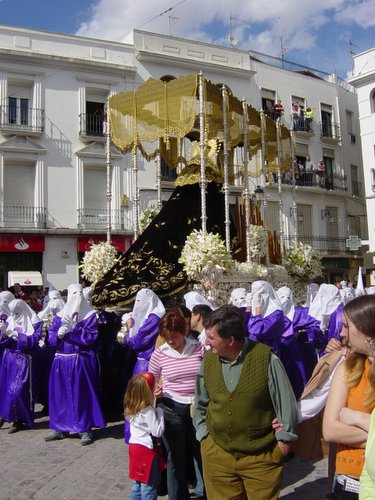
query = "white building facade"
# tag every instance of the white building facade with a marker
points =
(53, 90)
(364, 81)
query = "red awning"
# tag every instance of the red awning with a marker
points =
(119, 242)
(21, 243)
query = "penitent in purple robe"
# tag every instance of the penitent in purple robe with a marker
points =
(74, 381)
(300, 342)
(267, 330)
(16, 392)
(335, 323)
(143, 343)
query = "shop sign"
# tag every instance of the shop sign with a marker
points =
(119, 242)
(21, 243)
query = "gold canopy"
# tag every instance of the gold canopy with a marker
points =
(157, 113)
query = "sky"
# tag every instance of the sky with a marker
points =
(319, 34)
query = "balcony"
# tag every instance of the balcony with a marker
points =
(23, 216)
(327, 246)
(21, 120)
(92, 126)
(334, 182)
(97, 218)
(330, 132)
(303, 126)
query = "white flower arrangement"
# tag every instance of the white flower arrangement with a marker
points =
(146, 217)
(205, 258)
(252, 270)
(97, 261)
(257, 241)
(303, 262)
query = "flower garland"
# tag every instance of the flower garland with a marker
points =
(98, 260)
(146, 217)
(205, 258)
(303, 262)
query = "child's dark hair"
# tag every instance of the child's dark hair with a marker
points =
(138, 395)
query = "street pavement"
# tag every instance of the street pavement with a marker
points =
(32, 468)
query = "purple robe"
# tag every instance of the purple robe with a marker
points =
(335, 323)
(267, 330)
(43, 359)
(16, 385)
(299, 343)
(143, 343)
(74, 381)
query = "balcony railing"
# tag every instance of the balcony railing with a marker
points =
(302, 124)
(97, 217)
(325, 245)
(92, 125)
(334, 182)
(21, 119)
(23, 216)
(330, 131)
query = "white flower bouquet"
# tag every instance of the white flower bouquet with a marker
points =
(146, 217)
(205, 258)
(258, 242)
(303, 262)
(97, 261)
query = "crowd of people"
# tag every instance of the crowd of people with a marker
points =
(215, 399)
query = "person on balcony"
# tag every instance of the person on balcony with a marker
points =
(321, 173)
(309, 115)
(309, 171)
(295, 115)
(278, 110)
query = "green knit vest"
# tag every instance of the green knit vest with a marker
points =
(240, 421)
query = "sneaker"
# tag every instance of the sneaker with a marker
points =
(15, 427)
(55, 436)
(1, 422)
(86, 438)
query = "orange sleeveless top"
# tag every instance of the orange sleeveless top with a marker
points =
(349, 460)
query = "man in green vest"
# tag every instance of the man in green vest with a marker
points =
(241, 388)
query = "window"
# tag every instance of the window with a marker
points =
(95, 185)
(355, 225)
(272, 215)
(19, 184)
(329, 179)
(349, 126)
(18, 111)
(94, 118)
(304, 220)
(327, 121)
(298, 116)
(268, 101)
(19, 104)
(356, 186)
(331, 222)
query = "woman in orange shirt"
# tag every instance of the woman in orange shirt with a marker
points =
(353, 387)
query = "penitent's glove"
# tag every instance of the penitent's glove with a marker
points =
(62, 331)
(257, 301)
